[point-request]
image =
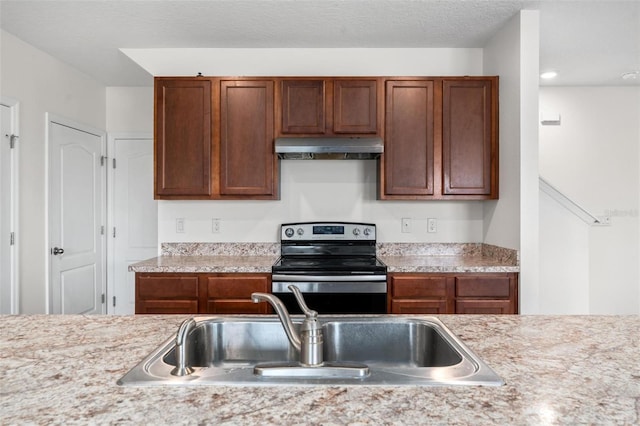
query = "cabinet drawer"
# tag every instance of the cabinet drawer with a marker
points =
(485, 307)
(239, 287)
(246, 306)
(491, 286)
(167, 307)
(404, 306)
(171, 287)
(411, 287)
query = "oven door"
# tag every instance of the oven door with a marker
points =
(334, 294)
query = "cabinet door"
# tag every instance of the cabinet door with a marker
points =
(487, 294)
(408, 160)
(303, 106)
(231, 294)
(167, 294)
(469, 139)
(183, 137)
(355, 106)
(247, 158)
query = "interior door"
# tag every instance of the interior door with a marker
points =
(76, 218)
(134, 221)
(8, 264)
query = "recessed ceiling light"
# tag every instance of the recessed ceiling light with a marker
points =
(548, 74)
(630, 75)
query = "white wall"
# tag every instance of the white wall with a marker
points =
(512, 221)
(308, 62)
(130, 110)
(593, 157)
(41, 84)
(321, 190)
(317, 190)
(564, 260)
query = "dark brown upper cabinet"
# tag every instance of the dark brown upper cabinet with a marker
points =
(409, 138)
(214, 136)
(330, 107)
(441, 139)
(247, 159)
(214, 139)
(183, 138)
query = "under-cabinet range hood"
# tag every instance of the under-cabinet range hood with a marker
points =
(329, 148)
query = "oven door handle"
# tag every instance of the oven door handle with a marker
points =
(329, 287)
(328, 278)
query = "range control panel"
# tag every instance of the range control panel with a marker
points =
(327, 231)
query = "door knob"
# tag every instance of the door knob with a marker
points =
(57, 250)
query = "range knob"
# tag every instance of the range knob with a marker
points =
(367, 231)
(300, 231)
(356, 231)
(288, 232)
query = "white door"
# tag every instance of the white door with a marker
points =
(76, 218)
(134, 216)
(8, 208)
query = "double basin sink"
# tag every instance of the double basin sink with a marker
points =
(377, 350)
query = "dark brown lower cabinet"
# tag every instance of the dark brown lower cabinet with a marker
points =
(169, 293)
(231, 294)
(469, 293)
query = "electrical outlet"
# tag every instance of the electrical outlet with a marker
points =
(215, 225)
(180, 225)
(406, 224)
(432, 225)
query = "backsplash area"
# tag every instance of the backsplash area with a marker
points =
(220, 249)
(500, 254)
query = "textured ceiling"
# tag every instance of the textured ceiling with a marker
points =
(587, 42)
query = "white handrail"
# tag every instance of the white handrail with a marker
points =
(568, 203)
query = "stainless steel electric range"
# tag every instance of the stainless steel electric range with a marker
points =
(335, 266)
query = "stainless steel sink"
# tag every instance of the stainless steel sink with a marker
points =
(397, 350)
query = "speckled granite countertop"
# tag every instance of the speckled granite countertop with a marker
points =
(442, 257)
(422, 264)
(212, 258)
(208, 264)
(399, 257)
(558, 370)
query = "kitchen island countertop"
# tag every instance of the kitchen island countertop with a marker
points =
(557, 369)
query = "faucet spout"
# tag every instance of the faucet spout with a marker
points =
(310, 340)
(181, 368)
(283, 314)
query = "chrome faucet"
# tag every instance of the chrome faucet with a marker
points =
(309, 342)
(181, 368)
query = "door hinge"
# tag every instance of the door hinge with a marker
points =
(12, 141)
(103, 298)
(114, 163)
(12, 238)
(102, 230)
(103, 158)
(114, 301)
(114, 232)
